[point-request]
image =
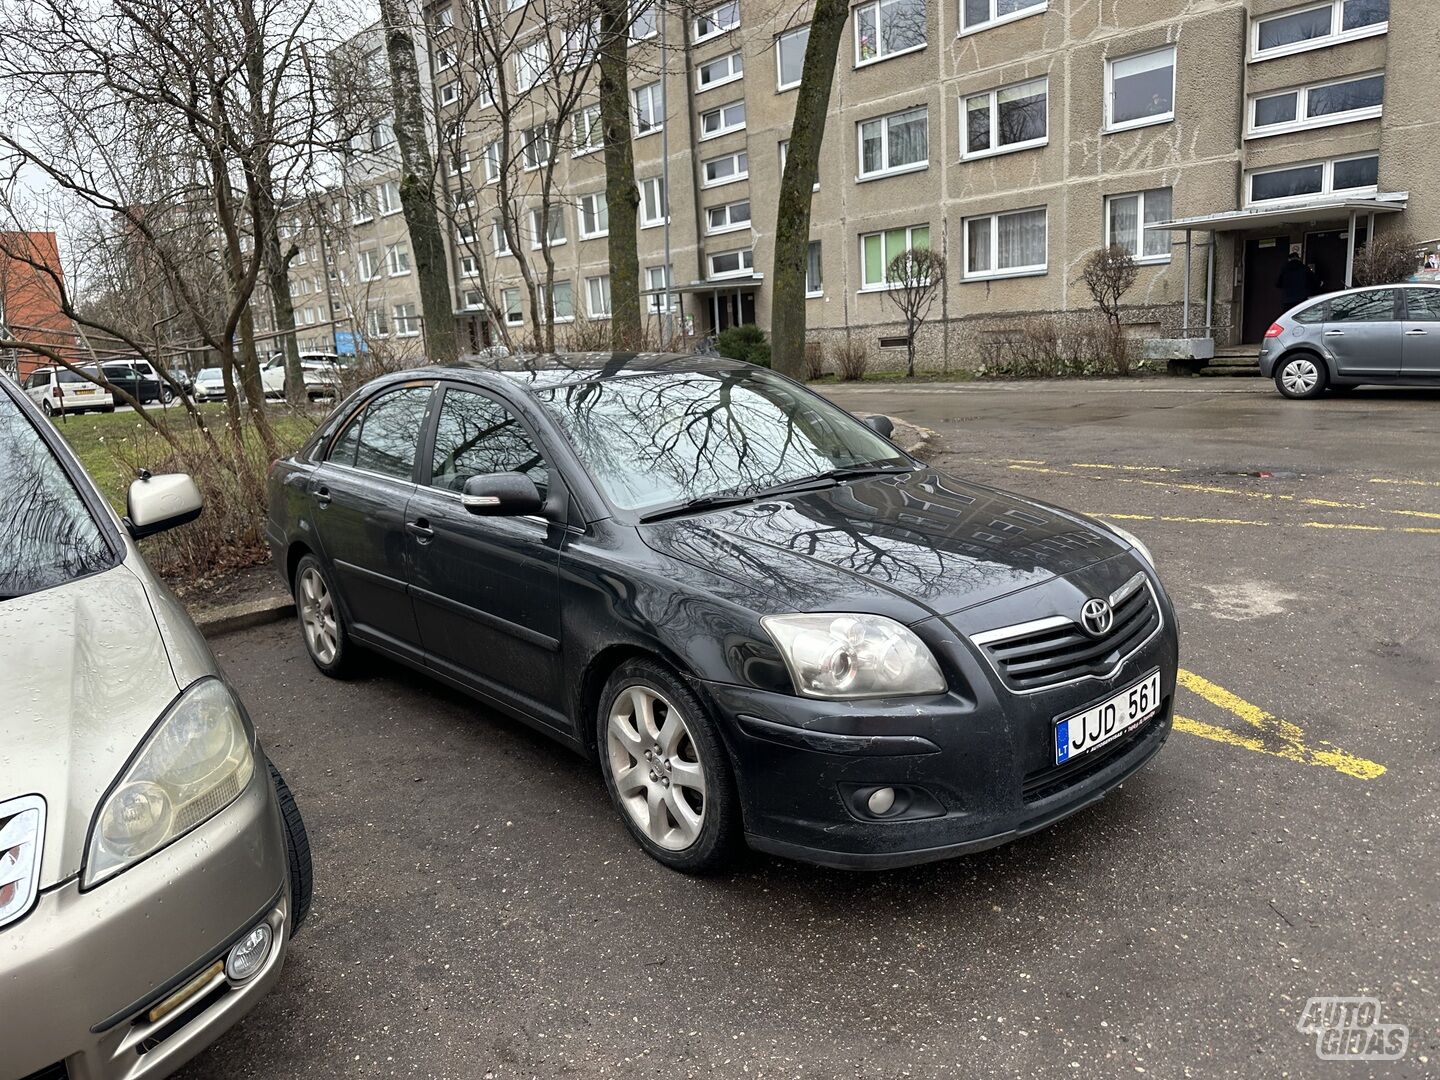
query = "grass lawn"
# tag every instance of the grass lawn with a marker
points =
(104, 442)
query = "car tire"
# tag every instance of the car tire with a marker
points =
(47, 408)
(1301, 376)
(297, 852)
(690, 824)
(167, 397)
(322, 626)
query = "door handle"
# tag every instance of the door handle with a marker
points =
(420, 527)
(322, 496)
(1416, 332)
(1334, 333)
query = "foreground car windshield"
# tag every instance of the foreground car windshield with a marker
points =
(50, 537)
(669, 438)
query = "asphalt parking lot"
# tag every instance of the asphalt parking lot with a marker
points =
(481, 912)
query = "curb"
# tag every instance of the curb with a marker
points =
(243, 616)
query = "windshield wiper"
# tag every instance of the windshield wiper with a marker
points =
(693, 506)
(831, 477)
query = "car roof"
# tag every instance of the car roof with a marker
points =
(541, 371)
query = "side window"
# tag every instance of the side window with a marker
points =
(1422, 305)
(1315, 313)
(390, 432)
(476, 435)
(1377, 306)
(343, 450)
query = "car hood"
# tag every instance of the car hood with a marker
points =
(887, 544)
(85, 675)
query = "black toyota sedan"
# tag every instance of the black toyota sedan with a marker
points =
(758, 615)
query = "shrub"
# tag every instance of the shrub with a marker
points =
(1109, 274)
(850, 360)
(814, 360)
(1066, 344)
(744, 343)
(1388, 259)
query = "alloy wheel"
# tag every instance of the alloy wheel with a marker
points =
(317, 616)
(1300, 376)
(656, 766)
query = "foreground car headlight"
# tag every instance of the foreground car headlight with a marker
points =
(194, 763)
(850, 656)
(1134, 541)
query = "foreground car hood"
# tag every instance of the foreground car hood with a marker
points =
(85, 676)
(886, 544)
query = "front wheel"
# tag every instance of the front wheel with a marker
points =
(1301, 376)
(321, 623)
(47, 408)
(297, 851)
(666, 769)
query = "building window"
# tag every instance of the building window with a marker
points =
(895, 144)
(594, 216)
(535, 146)
(450, 93)
(514, 315)
(556, 224)
(560, 303)
(716, 21)
(469, 266)
(1128, 221)
(389, 193)
(588, 131)
(362, 207)
(1002, 121)
(501, 238)
(471, 300)
(790, 57)
(785, 156)
(376, 324)
(407, 323)
(649, 105)
(1140, 90)
(397, 260)
(368, 265)
(597, 296)
(1340, 102)
(643, 21)
(980, 14)
(814, 278)
(1317, 26)
(1005, 245)
(718, 72)
(726, 169)
(579, 45)
(444, 58)
(731, 263)
(444, 17)
(657, 280)
(532, 63)
(654, 207)
(879, 248)
(888, 28)
(722, 121)
(727, 218)
(1352, 176)
(491, 158)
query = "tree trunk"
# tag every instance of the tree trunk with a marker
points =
(417, 188)
(797, 186)
(621, 194)
(277, 279)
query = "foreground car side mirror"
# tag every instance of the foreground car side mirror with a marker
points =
(505, 494)
(881, 425)
(157, 503)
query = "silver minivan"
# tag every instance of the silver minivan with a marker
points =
(1385, 335)
(153, 864)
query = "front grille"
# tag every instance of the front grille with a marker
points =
(58, 1071)
(1049, 652)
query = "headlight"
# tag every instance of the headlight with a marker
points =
(194, 763)
(851, 656)
(1134, 541)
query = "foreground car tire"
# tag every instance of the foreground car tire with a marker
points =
(321, 623)
(1301, 376)
(297, 850)
(666, 769)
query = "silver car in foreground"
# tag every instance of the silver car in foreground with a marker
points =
(1386, 335)
(153, 865)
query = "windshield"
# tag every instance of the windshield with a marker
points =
(667, 438)
(209, 373)
(50, 536)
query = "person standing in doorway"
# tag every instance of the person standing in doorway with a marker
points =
(1295, 280)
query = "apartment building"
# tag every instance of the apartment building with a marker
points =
(1210, 137)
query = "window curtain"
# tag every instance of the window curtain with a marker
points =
(908, 138)
(1124, 222)
(1022, 240)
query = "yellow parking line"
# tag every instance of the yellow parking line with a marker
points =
(1179, 520)
(1415, 513)
(1412, 483)
(1275, 737)
(1118, 468)
(1347, 528)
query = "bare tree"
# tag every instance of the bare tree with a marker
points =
(1109, 273)
(621, 194)
(1387, 259)
(915, 277)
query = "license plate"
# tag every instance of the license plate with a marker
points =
(88, 390)
(1099, 724)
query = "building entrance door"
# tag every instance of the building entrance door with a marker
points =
(1264, 259)
(729, 309)
(1326, 252)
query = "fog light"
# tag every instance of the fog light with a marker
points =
(248, 954)
(881, 800)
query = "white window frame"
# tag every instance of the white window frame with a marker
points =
(649, 9)
(655, 302)
(557, 220)
(734, 71)
(1138, 254)
(1034, 270)
(538, 136)
(469, 266)
(450, 93)
(1302, 122)
(412, 319)
(713, 28)
(368, 264)
(547, 302)
(583, 138)
(784, 148)
(445, 17)
(514, 316)
(491, 157)
(886, 256)
(377, 323)
(499, 239)
(886, 169)
(780, 83)
(1335, 37)
(1040, 7)
(382, 198)
(646, 220)
(733, 178)
(813, 294)
(881, 57)
(580, 215)
(746, 255)
(1144, 121)
(655, 94)
(362, 207)
(724, 129)
(1327, 182)
(1009, 148)
(467, 304)
(731, 225)
(523, 66)
(445, 58)
(609, 307)
(396, 254)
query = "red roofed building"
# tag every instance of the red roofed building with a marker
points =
(30, 281)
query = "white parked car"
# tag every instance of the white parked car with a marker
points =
(60, 390)
(272, 376)
(209, 385)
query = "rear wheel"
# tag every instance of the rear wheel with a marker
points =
(47, 408)
(297, 852)
(321, 623)
(1301, 376)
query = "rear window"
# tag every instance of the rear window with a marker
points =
(65, 375)
(50, 535)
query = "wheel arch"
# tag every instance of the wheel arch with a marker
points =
(297, 550)
(604, 664)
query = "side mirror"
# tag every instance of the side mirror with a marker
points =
(157, 503)
(881, 425)
(506, 494)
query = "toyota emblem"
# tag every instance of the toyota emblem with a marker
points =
(1097, 617)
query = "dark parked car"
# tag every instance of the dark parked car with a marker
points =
(1346, 339)
(755, 612)
(138, 379)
